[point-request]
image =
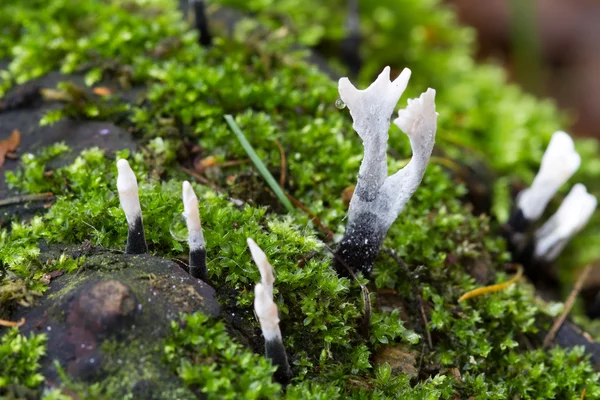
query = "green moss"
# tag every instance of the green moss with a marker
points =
(20, 361)
(280, 98)
(210, 362)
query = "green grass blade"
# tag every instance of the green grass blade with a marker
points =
(259, 164)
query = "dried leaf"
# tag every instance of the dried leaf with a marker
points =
(9, 145)
(102, 91)
(4, 322)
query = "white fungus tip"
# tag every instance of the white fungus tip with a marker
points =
(126, 179)
(123, 163)
(190, 208)
(192, 217)
(379, 99)
(265, 268)
(267, 313)
(419, 111)
(559, 163)
(347, 90)
(127, 187)
(560, 157)
(570, 218)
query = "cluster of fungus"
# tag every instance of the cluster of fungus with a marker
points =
(377, 202)
(559, 163)
(378, 199)
(264, 306)
(136, 242)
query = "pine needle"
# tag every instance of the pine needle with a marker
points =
(492, 288)
(258, 163)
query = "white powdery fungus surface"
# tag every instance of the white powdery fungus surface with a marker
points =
(267, 313)
(559, 163)
(128, 192)
(371, 109)
(192, 217)
(266, 269)
(572, 215)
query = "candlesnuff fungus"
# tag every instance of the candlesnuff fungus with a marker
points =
(572, 215)
(559, 163)
(378, 198)
(268, 316)
(195, 235)
(264, 267)
(128, 195)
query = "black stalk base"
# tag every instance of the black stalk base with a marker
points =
(360, 246)
(275, 350)
(198, 264)
(136, 240)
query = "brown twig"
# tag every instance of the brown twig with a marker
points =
(28, 197)
(424, 317)
(202, 180)
(328, 232)
(231, 163)
(283, 164)
(568, 305)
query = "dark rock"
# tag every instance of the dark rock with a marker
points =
(112, 315)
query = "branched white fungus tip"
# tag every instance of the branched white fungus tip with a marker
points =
(572, 215)
(267, 313)
(559, 163)
(419, 117)
(371, 108)
(265, 268)
(128, 192)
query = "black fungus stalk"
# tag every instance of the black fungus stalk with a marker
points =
(128, 194)
(378, 198)
(350, 46)
(268, 315)
(201, 22)
(196, 241)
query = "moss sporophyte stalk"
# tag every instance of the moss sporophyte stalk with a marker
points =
(101, 323)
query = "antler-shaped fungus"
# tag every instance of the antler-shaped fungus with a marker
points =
(378, 198)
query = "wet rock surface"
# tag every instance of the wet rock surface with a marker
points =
(111, 315)
(23, 108)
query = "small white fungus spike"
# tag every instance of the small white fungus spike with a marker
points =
(192, 217)
(128, 192)
(559, 163)
(265, 268)
(572, 215)
(267, 313)
(378, 198)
